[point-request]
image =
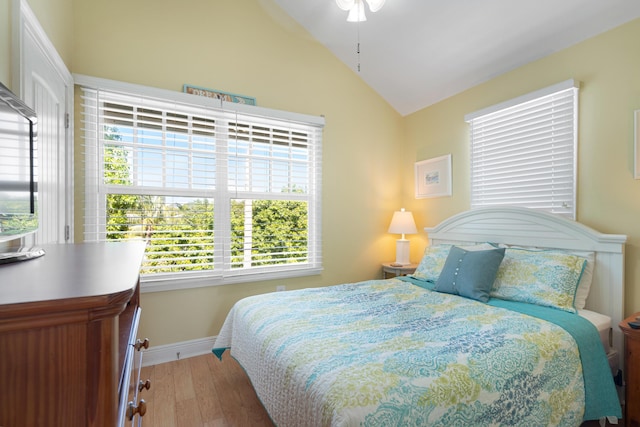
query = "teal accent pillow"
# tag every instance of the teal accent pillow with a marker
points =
(434, 258)
(547, 278)
(470, 273)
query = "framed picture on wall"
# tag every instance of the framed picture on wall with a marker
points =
(636, 149)
(433, 177)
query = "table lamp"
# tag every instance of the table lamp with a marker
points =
(402, 223)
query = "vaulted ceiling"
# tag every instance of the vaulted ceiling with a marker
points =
(415, 53)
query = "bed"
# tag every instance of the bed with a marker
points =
(441, 347)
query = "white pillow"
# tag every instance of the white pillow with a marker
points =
(584, 286)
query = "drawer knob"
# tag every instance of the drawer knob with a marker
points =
(132, 409)
(140, 344)
(144, 384)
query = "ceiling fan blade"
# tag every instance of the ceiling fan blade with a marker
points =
(345, 4)
(375, 5)
(356, 14)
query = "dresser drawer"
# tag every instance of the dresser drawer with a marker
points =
(130, 406)
(632, 372)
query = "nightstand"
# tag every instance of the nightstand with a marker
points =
(631, 372)
(389, 271)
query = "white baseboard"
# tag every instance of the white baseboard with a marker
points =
(179, 350)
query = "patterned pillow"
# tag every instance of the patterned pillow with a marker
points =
(547, 278)
(435, 256)
(432, 262)
(584, 285)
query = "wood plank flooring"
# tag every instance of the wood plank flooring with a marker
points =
(202, 391)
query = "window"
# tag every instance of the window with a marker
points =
(524, 151)
(219, 193)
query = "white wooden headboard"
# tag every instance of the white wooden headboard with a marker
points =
(528, 227)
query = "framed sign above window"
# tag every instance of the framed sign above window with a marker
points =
(218, 94)
(433, 177)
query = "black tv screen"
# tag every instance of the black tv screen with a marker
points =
(18, 178)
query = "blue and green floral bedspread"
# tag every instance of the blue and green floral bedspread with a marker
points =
(389, 353)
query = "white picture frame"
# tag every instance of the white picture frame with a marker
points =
(433, 177)
(636, 146)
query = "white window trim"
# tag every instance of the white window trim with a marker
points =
(567, 84)
(155, 284)
(113, 85)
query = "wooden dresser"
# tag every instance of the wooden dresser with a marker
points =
(631, 414)
(66, 322)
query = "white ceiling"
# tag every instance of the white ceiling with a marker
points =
(415, 53)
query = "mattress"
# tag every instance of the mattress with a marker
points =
(602, 324)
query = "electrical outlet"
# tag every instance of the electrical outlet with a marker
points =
(280, 288)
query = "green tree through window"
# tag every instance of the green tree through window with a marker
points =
(179, 233)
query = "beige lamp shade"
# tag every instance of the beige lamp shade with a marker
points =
(402, 223)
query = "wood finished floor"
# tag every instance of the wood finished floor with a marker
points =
(202, 391)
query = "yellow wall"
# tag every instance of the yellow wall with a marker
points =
(55, 17)
(608, 197)
(250, 47)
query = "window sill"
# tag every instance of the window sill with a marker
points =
(174, 284)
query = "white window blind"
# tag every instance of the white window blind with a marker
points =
(220, 194)
(524, 152)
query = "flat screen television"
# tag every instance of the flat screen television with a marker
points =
(18, 176)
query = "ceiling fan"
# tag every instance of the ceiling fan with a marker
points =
(356, 8)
